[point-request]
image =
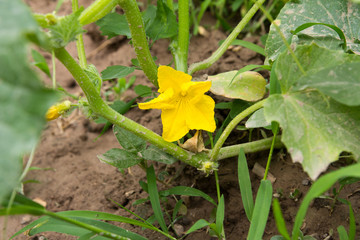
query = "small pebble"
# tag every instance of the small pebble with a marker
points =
(25, 219)
(305, 182)
(179, 229)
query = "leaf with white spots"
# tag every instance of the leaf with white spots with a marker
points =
(332, 72)
(316, 129)
(343, 14)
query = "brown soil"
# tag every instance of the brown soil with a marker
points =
(77, 180)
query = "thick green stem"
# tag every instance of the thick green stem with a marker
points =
(183, 37)
(231, 126)
(101, 108)
(224, 46)
(139, 40)
(250, 147)
(92, 228)
(79, 41)
(96, 11)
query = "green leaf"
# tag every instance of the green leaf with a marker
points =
(66, 29)
(316, 62)
(55, 225)
(316, 129)
(342, 233)
(40, 62)
(343, 14)
(199, 224)
(120, 158)
(249, 86)
(154, 197)
(153, 153)
(165, 24)
(340, 82)
(249, 45)
(128, 140)
(116, 71)
(257, 120)
(23, 99)
(113, 25)
(142, 90)
(245, 185)
(261, 210)
(220, 215)
(318, 188)
(94, 76)
(187, 191)
(279, 219)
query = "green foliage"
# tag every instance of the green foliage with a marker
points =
(261, 210)
(94, 76)
(40, 62)
(160, 22)
(154, 197)
(23, 99)
(143, 91)
(120, 158)
(332, 12)
(309, 125)
(318, 188)
(116, 71)
(245, 185)
(66, 29)
(249, 86)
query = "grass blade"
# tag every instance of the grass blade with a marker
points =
(154, 197)
(199, 224)
(342, 233)
(318, 188)
(187, 191)
(261, 211)
(279, 219)
(220, 215)
(352, 227)
(245, 185)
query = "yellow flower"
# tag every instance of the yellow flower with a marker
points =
(56, 110)
(183, 104)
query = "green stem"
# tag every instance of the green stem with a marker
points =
(224, 46)
(217, 185)
(92, 228)
(139, 40)
(98, 105)
(250, 147)
(224, 135)
(53, 77)
(96, 11)
(79, 40)
(170, 4)
(271, 151)
(183, 37)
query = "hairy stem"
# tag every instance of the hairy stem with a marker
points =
(96, 11)
(250, 147)
(224, 46)
(183, 37)
(79, 40)
(224, 135)
(98, 105)
(139, 40)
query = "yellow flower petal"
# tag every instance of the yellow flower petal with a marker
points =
(197, 90)
(174, 123)
(52, 113)
(201, 114)
(170, 78)
(163, 101)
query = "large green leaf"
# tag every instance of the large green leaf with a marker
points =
(155, 154)
(23, 99)
(316, 129)
(317, 62)
(128, 140)
(343, 14)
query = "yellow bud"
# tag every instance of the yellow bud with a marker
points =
(56, 110)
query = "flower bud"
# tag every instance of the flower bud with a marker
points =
(56, 110)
